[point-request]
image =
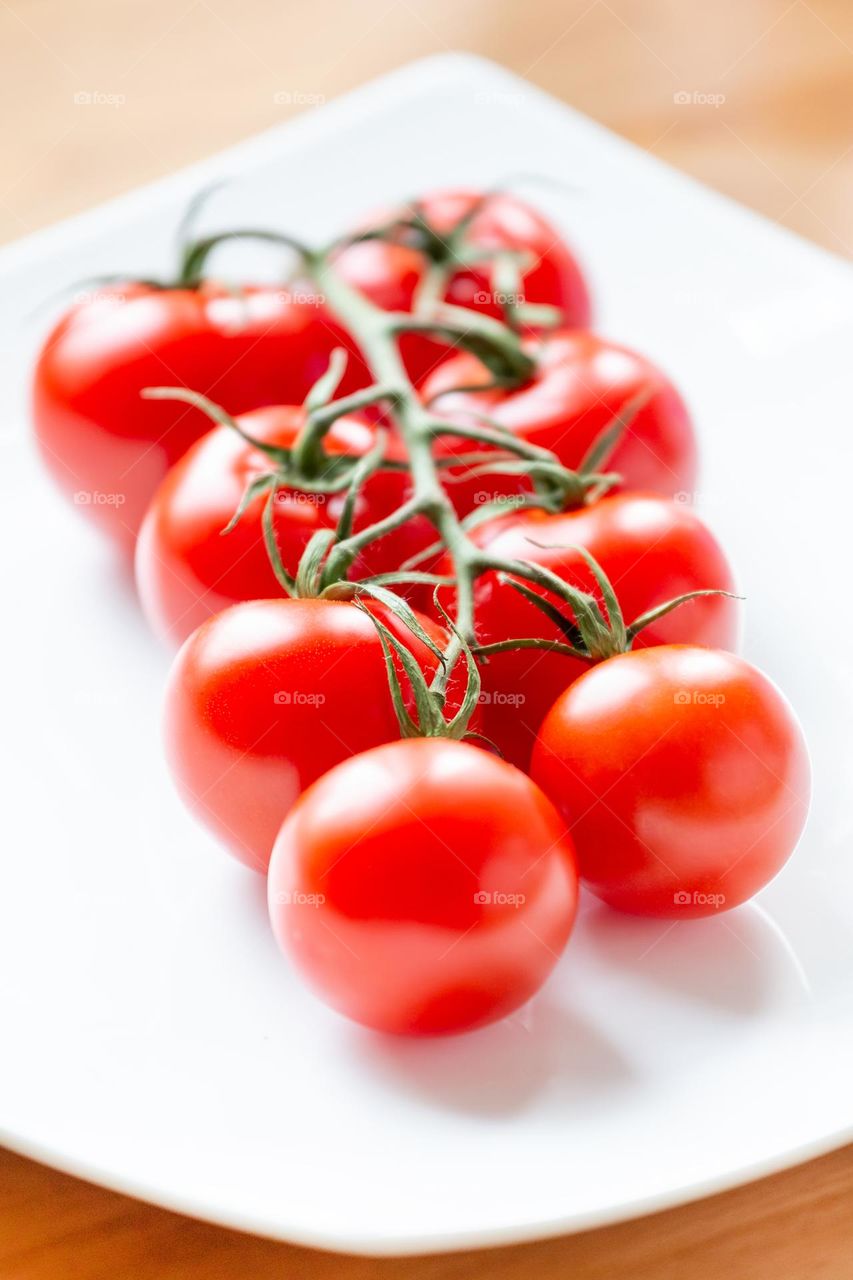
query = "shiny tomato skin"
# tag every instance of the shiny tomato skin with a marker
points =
(107, 447)
(388, 272)
(582, 382)
(682, 775)
(423, 888)
(651, 549)
(266, 696)
(187, 570)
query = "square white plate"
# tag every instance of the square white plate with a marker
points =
(155, 1042)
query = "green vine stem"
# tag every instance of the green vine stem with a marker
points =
(377, 331)
(592, 632)
(591, 629)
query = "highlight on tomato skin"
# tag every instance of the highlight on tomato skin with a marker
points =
(187, 569)
(682, 775)
(425, 887)
(268, 695)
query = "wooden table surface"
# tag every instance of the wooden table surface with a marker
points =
(98, 96)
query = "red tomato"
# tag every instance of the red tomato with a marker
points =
(582, 382)
(651, 550)
(268, 695)
(186, 570)
(423, 887)
(682, 775)
(389, 272)
(107, 446)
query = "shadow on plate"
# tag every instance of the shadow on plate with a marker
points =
(501, 1069)
(739, 963)
(649, 984)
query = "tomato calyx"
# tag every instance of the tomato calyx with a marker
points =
(306, 467)
(449, 251)
(430, 719)
(555, 488)
(594, 630)
(593, 627)
(196, 253)
(497, 345)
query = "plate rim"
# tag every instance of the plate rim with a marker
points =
(372, 1246)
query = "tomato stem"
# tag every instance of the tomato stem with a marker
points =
(376, 332)
(593, 628)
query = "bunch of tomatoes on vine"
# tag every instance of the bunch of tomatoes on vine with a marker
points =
(449, 646)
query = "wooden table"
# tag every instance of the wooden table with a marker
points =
(98, 96)
(795, 1226)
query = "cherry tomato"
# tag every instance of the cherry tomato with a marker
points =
(682, 775)
(581, 384)
(268, 695)
(423, 887)
(390, 271)
(651, 550)
(186, 570)
(109, 448)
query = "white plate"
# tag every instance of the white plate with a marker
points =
(155, 1042)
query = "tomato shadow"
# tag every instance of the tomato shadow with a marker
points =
(502, 1069)
(739, 962)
